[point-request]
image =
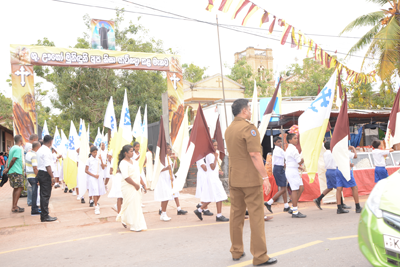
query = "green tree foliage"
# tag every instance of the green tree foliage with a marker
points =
(193, 73)
(303, 80)
(6, 111)
(382, 40)
(85, 92)
(242, 73)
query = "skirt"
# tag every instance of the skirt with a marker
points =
(342, 182)
(279, 175)
(96, 186)
(199, 182)
(331, 178)
(380, 173)
(212, 189)
(115, 191)
(163, 190)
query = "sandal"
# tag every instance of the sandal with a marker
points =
(18, 210)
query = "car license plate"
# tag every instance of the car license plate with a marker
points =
(392, 243)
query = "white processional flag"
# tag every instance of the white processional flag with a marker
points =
(45, 130)
(137, 125)
(109, 119)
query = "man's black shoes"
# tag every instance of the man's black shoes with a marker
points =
(268, 262)
(222, 219)
(181, 212)
(318, 203)
(268, 206)
(236, 259)
(207, 213)
(49, 219)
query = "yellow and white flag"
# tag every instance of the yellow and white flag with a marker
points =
(143, 140)
(312, 126)
(182, 138)
(70, 166)
(83, 156)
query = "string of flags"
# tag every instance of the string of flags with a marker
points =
(297, 38)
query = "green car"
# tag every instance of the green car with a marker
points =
(379, 227)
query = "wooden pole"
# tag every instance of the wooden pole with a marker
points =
(222, 75)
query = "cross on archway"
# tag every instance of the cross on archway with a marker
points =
(21, 72)
(219, 82)
(174, 79)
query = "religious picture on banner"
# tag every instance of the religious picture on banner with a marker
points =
(103, 34)
(23, 96)
(175, 101)
(20, 55)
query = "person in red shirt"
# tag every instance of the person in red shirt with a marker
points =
(2, 163)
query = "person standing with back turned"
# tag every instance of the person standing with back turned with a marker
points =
(246, 178)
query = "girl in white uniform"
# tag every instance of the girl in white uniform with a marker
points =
(115, 191)
(55, 168)
(96, 183)
(131, 213)
(202, 178)
(136, 157)
(163, 191)
(102, 154)
(212, 188)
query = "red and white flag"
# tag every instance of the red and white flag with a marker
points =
(268, 113)
(220, 140)
(393, 130)
(340, 139)
(200, 145)
(161, 153)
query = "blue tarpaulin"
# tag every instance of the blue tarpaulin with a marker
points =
(263, 106)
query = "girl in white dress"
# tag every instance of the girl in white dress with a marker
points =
(163, 191)
(131, 213)
(115, 191)
(212, 188)
(96, 183)
(136, 157)
(149, 165)
(201, 178)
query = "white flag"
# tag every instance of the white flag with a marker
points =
(64, 145)
(109, 119)
(125, 123)
(45, 131)
(97, 141)
(137, 125)
(57, 141)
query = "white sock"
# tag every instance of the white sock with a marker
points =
(270, 202)
(91, 201)
(56, 184)
(164, 214)
(199, 209)
(286, 205)
(295, 210)
(160, 209)
(219, 215)
(178, 208)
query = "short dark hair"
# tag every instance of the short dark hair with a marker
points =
(327, 145)
(376, 143)
(135, 144)
(277, 138)
(33, 137)
(17, 138)
(150, 147)
(290, 137)
(47, 139)
(239, 105)
(35, 144)
(93, 148)
(90, 144)
(1, 153)
(213, 141)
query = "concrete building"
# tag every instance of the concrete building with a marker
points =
(258, 59)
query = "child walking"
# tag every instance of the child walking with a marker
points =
(96, 185)
(379, 154)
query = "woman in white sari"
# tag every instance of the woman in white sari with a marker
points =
(131, 213)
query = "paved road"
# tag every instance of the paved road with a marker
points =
(323, 239)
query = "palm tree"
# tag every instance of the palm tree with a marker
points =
(383, 38)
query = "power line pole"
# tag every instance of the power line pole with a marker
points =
(222, 75)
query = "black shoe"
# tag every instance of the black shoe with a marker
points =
(83, 201)
(358, 210)
(247, 213)
(269, 262)
(346, 207)
(286, 209)
(70, 191)
(49, 219)
(299, 215)
(198, 206)
(236, 259)
(222, 219)
(66, 190)
(91, 204)
(341, 210)
(207, 213)
(198, 214)
(318, 203)
(268, 206)
(159, 212)
(181, 212)
(290, 211)
(35, 213)
(57, 186)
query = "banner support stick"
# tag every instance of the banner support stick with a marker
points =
(222, 75)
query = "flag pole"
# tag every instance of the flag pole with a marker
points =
(222, 75)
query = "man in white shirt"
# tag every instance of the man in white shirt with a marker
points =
(45, 177)
(278, 164)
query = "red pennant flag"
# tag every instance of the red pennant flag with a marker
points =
(271, 27)
(340, 85)
(393, 114)
(210, 5)
(264, 18)
(162, 143)
(218, 137)
(319, 89)
(286, 34)
(200, 137)
(240, 7)
(221, 7)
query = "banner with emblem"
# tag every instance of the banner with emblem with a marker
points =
(23, 96)
(175, 99)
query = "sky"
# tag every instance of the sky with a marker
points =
(196, 42)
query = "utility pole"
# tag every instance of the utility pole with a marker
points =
(222, 75)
